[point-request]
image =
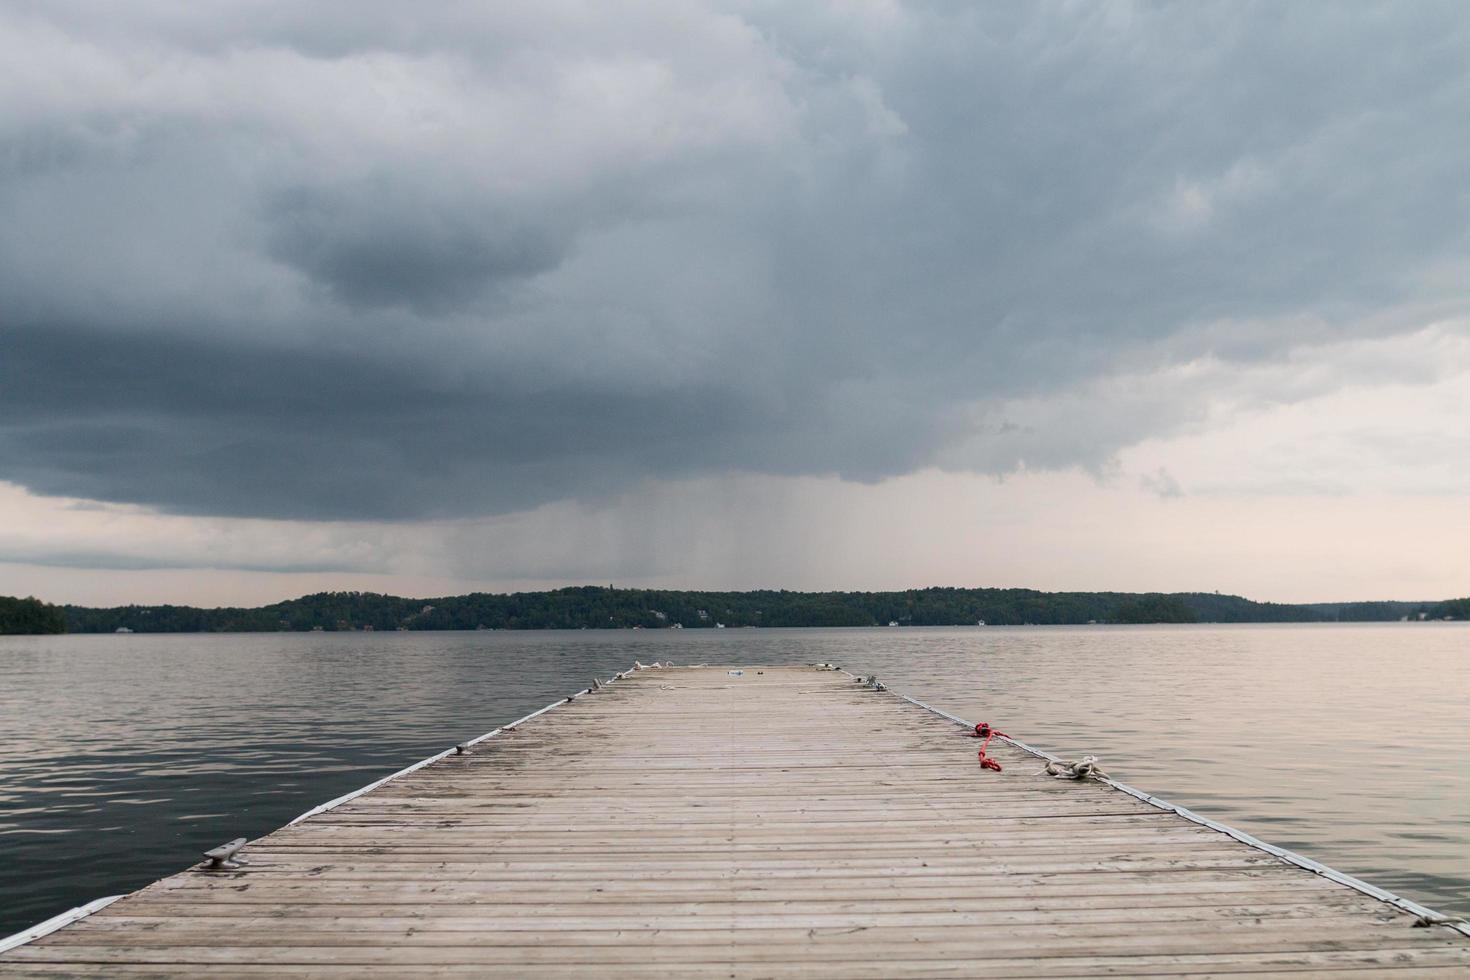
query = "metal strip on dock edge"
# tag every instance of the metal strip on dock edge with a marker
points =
(55, 922)
(1291, 857)
(66, 918)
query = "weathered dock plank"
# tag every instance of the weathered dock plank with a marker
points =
(786, 822)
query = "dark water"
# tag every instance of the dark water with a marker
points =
(123, 757)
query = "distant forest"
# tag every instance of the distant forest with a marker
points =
(30, 616)
(596, 607)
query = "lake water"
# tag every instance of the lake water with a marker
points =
(123, 757)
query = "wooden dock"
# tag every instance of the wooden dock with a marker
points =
(785, 822)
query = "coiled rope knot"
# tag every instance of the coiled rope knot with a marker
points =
(1074, 768)
(1437, 919)
(983, 730)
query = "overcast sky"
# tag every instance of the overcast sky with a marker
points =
(360, 294)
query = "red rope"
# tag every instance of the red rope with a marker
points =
(983, 730)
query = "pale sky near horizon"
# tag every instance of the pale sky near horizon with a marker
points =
(1114, 296)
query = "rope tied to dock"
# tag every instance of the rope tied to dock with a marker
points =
(1437, 919)
(1082, 768)
(983, 730)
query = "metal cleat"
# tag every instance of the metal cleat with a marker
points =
(223, 858)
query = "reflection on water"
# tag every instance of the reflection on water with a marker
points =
(123, 757)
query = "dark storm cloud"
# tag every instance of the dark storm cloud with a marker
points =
(347, 263)
(371, 248)
(225, 428)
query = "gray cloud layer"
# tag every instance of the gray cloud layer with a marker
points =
(344, 262)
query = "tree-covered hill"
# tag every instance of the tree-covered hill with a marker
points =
(596, 607)
(30, 616)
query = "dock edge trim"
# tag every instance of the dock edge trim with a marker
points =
(55, 922)
(66, 918)
(1430, 916)
(348, 797)
(1291, 857)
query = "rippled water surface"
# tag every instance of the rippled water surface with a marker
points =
(123, 757)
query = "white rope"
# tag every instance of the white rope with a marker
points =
(1440, 919)
(1074, 768)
